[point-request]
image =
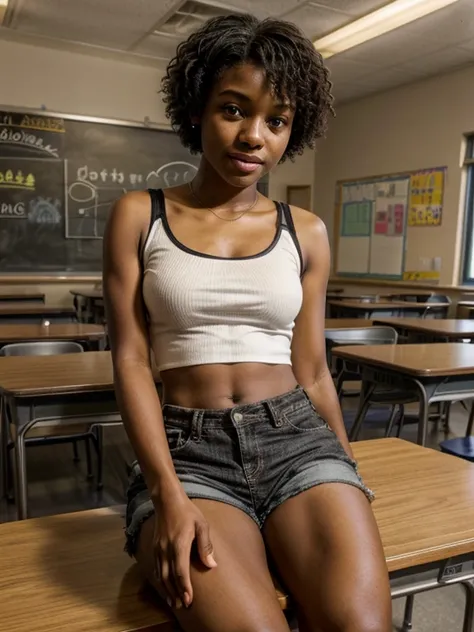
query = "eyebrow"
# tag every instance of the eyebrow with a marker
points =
(280, 105)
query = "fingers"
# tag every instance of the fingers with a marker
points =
(181, 570)
(204, 545)
(165, 577)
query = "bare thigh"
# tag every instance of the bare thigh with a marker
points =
(326, 546)
(238, 595)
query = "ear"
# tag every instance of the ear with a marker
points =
(195, 120)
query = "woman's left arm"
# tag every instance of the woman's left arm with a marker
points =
(308, 350)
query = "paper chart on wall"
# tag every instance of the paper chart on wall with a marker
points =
(426, 197)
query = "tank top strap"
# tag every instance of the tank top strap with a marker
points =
(286, 219)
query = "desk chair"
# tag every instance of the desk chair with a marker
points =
(463, 447)
(46, 430)
(347, 371)
(432, 311)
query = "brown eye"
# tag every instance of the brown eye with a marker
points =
(232, 110)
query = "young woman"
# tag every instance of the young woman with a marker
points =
(246, 456)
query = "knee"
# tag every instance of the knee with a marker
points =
(363, 618)
(366, 619)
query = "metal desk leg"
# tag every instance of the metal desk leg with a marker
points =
(408, 616)
(423, 416)
(365, 395)
(469, 610)
(21, 492)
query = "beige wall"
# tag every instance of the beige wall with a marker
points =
(408, 128)
(74, 83)
(299, 172)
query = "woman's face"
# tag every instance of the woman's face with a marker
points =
(245, 129)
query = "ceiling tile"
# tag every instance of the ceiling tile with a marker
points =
(158, 46)
(261, 8)
(356, 8)
(107, 23)
(316, 21)
(393, 48)
(345, 70)
(451, 25)
(441, 61)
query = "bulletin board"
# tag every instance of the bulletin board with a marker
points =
(372, 220)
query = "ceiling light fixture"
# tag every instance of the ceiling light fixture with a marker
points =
(377, 23)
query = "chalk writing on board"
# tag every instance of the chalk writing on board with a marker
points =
(171, 174)
(11, 180)
(26, 139)
(84, 174)
(13, 211)
(44, 211)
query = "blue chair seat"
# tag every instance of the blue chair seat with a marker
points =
(462, 447)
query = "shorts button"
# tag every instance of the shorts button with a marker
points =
(238, 417)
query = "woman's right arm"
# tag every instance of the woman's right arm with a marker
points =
(180, 521)
(134, 384)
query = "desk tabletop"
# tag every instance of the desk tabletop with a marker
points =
(384, 305)
(34, 308)
(424, 507)
(54, 331)
(449, 327)
(347, 323)
(87, 293)
(25, 376)
(72, 573)
(428, 360)
(424, 501)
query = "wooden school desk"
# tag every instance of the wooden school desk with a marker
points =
(69, 572)
(431, 329)
(22, 297)
(36, 313)
(363, 309)
(75, 384)
(346, 323)
(90, 336)
(437, 372)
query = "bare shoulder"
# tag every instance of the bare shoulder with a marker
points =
(308, 225)
(130, 213)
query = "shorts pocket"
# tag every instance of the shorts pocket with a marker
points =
(304, 420)
(177, 436)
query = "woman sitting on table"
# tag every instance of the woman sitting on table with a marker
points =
(247, 455)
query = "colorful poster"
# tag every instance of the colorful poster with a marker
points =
(426, 197)
(381, 223)
(356, 219)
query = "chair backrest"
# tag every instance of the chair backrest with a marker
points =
(361, 336)
(47, 347)
(412, 298)
(439, 298)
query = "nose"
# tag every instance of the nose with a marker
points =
(251, 132)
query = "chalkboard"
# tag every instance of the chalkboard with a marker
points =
(59, 176)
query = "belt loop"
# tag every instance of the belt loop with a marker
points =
(196, 424)
(272, 413)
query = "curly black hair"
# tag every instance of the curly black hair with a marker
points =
(293, 67)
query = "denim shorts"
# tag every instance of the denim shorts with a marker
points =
(253, 457)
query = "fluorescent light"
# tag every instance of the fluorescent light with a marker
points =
(377, 23)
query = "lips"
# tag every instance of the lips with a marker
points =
(246, 163)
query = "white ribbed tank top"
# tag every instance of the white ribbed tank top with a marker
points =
(205, 309)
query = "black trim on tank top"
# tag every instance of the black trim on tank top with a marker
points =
(196, 253)
(290, 226)
(157, 208)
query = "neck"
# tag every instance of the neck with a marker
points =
(213, 191)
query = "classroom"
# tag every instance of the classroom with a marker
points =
(201, 132)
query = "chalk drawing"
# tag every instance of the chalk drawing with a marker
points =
(44, 211)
